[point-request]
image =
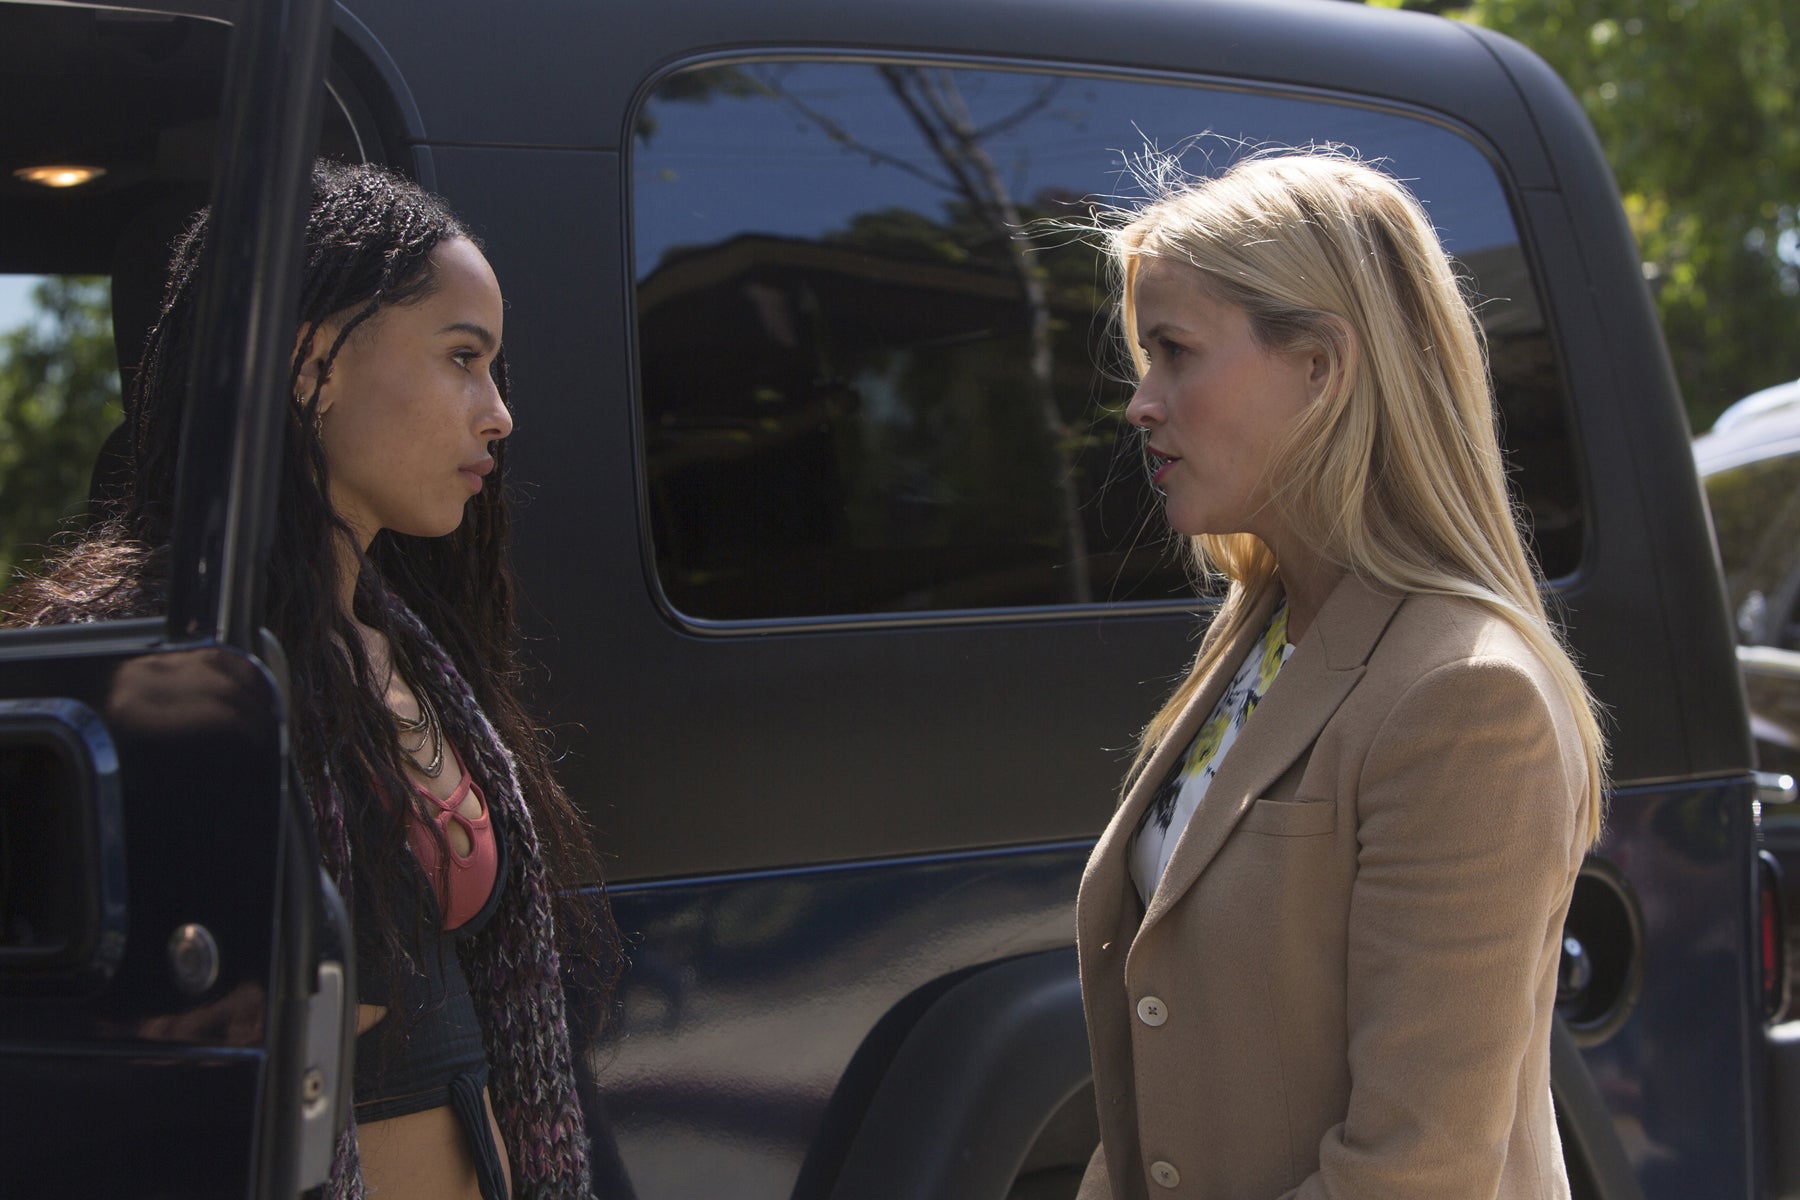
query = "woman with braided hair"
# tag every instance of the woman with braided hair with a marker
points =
(388, 587)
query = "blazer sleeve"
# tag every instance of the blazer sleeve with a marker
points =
(1469, 810)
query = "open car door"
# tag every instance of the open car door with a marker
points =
(174, 984)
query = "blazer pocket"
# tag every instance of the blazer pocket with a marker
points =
(1291, 818)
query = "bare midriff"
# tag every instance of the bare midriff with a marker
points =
(422, 1155)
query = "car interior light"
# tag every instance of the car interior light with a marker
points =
(59, 175)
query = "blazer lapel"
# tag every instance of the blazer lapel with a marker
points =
(1106, 884)
(1107, 913)
(1325, 666)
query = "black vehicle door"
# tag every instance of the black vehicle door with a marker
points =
(173, 995)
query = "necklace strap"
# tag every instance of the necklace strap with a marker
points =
(426, 726)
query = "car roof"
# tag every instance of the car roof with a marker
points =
(1762, 425)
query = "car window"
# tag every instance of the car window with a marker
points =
(871, 385)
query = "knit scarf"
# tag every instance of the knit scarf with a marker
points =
(512, 965)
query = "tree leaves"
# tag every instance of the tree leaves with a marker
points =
(1695, 104)
(59, 397)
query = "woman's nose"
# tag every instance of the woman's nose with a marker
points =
(497, 421)
(1143, 411)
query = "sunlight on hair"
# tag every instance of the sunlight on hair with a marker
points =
(1394, 474)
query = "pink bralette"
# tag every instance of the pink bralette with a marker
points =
(472, 875)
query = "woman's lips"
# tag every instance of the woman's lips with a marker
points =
(473, 473)
(1160, 464)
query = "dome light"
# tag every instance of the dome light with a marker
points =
(59, 175)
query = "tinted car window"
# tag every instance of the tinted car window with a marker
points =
(873, 382)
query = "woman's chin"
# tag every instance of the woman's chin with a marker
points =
(1186, 524)
(436, 527)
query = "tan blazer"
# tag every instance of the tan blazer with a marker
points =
(1343, 987)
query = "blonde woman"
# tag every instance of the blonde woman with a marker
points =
(1319, 938)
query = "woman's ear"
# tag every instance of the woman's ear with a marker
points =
(1333, 360)
(312, 365)
(1319, 366)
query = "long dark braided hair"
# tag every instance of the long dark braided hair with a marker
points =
(369, 242)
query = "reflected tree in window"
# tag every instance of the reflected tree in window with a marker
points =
(934, 454)
(871, 385)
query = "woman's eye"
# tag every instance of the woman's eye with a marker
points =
(465, 358)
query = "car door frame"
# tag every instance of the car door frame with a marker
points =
(118, 709)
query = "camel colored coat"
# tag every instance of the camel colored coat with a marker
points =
(1343, 987)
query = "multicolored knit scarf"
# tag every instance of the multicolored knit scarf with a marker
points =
(512, 965)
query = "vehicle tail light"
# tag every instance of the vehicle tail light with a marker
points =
(1773, 937)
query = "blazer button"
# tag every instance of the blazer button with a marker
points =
(1165, 1174)
(1152, 1011)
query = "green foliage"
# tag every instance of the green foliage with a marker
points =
(59, 397)
(1696, 104)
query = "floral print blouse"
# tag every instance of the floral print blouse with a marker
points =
(1184, 790)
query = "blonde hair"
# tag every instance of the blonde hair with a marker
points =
(1394, 473)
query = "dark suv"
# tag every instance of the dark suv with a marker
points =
(846, 592)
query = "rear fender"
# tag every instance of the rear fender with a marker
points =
(973, 1085)
(988, 1065)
